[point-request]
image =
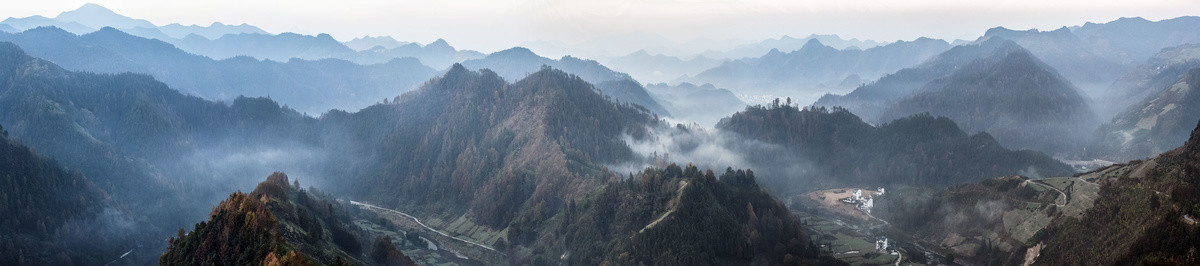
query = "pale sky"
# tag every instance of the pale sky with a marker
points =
(489, 25)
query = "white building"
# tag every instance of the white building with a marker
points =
(866, 205)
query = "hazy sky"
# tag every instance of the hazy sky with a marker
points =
(488, 25)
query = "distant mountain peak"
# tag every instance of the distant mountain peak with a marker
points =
(1002, 31)
(457, 67)
(93, 7)
(515, 52)
(773, 53)
(95, 16)
(813, 43)
(50, 29)
(439, 44)
(1131, 19)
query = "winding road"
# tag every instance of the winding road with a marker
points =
(1064, 195)
(369, 206)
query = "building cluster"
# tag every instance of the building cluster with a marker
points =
(863, 203)
(882, 247)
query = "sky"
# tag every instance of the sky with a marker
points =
(490, 25)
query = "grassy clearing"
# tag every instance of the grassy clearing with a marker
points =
(843, 242)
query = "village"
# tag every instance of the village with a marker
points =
(848, 233)
(863, 204)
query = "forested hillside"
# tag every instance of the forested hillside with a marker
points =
(917, 150)
(680, 215)
(54, 215)
(1011, 95)
(160, 154)
(1140, 212)
(469, 140)
(279, 223)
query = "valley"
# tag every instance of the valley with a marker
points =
(581, 133)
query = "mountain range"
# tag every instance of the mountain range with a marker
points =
(370, 42)
(221, 41)
(1093, 55)
(659, 68)
(311, 86)
(547, 137)
(815, 69)
(127, 143)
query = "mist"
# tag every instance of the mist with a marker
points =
(776, 167)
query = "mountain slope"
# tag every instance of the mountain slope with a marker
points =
(677, 215)
(1066, 52)
(277, 223)
(162, 155)
(634, 93)
(445, 144)
(1153, 126)
(869, 100)
(1011, 95)
(53, 215)
(1140, 212)
(1148, 79)
(920, 150)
